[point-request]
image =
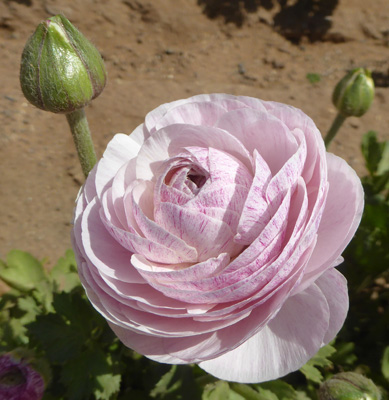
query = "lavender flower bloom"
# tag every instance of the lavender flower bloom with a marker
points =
(18, 381)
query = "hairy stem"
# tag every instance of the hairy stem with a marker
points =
(82, 139)
(338, 121)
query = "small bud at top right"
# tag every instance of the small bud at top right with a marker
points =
(354, 93)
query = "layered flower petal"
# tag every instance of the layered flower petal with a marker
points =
(210, 235)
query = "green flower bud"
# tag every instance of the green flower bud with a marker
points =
(349, 386)
(61, 71)
(354, 93)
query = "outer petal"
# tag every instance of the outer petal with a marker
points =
(334, 287)
(341, 217)
(282, 346)
(120, 150)
(95, 243)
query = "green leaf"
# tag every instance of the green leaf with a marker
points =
(177, 383)
(163, 384)
(17, 332)
(60, 340)
(321, 357)
(385, 363)
(43, 294)
(312, 373)
(64, 273)
(22, 271)
(344, 354)
(372, 151)
(267, 394)
(219, 390)
(87, 373)
(383, 165)
(29, 306)
(249, 393)
(301, 395)
(109, 384)
(319, 360)
(313, 78)
(281, 389)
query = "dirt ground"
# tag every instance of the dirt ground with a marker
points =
(161, 50)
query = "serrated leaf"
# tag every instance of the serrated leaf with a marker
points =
(301, 395)
(249, 393)
(385, 363)
(344, 354)
(43, 294)
(176, 384)
(22, 271)
(58, 339)
(235, 396)
(109, 385)
(163, 384)
(383, 165)
(267, 394)
(371, 150)
(320, 359)
(30, 308)
(79, 313)
(281, 389)
(219, 390)
(76, 376)
(18, 331)
(87, 373)
(312, 373)
(64, 274)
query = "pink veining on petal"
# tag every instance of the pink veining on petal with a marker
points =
(210, 235)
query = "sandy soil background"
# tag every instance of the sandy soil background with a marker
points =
(162, 50)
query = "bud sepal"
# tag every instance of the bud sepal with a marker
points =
(61, 71)
(354, 93)
(349, 386)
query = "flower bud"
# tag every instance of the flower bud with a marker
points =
(349, 386)
(354, 93)
(61, 71)
(18, 380)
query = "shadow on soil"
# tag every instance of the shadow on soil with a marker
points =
(294, 20)
(380, 79)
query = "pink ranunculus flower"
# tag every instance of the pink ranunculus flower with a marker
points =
(211, 233)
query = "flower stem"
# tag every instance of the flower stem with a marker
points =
(82, 139)
(338, 121)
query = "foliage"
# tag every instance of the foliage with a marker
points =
(367, 268)
(313, 78)
(49, 314)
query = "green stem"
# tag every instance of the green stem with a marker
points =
(338, 121)
(82, 139)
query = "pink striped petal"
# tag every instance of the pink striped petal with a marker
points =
(198, 230)
(171, 141)
(262, 132)
(256, 213)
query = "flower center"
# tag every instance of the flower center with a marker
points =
(196, 177)
(11, 378)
